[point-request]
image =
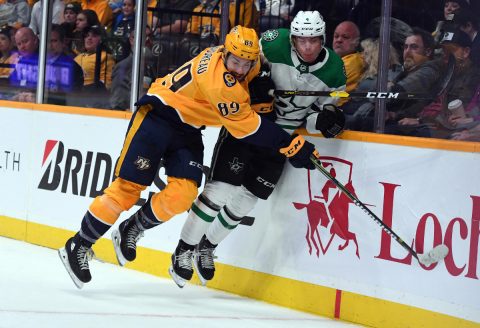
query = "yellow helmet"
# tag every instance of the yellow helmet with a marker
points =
(243, 42)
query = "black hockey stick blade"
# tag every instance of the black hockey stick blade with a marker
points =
(435, 255)
(442, 86)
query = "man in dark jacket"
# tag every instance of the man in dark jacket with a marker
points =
(420, 74)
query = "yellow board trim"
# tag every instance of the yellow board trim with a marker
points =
(277, 290)
(390, 139)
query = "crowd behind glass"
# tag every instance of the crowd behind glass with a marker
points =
(434, 50)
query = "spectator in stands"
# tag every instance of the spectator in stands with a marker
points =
(346, 39)
(420, 74)
(122, 78)
(468, 22)
(70, 16)
(449, 8)
(36, 18)
(116, 6)
(462, 85)
(207, 26)
(69, 23)
(7, 54)
(168, 23)
(359, 112)
(247, 15)
(24, 76)
(21, 13)
(125, 21)
(97, 67)
(63, 75)
(204, 31)
(85, 19)
(103, 10)
(6, 13)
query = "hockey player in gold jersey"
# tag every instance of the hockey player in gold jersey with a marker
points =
(209, 90)
(241, 173)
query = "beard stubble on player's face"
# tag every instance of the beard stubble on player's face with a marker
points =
(238, 67)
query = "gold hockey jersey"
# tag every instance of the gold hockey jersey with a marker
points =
(203, 92)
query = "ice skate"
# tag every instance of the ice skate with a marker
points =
(75, 256)
(125, 239)
(203, 260)
(181, 269)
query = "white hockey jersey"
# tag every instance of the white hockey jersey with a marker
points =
(289, 72)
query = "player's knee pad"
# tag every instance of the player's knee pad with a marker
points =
(120, 196)
(241, 202)
(217, 192)
(177, 197)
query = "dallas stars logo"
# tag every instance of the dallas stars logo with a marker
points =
(302, 68)
(236, 166)
(270, 35)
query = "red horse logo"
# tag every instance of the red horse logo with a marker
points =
(329, 212)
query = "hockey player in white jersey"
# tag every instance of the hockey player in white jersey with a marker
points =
(296, 59)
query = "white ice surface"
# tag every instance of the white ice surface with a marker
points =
(37, 292)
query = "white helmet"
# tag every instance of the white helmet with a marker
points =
(308, 24)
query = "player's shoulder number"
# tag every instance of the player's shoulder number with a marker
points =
(227, 108)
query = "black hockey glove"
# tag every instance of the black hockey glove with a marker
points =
(260, 86)
(330, 121)
(260, 99)
(299, 151)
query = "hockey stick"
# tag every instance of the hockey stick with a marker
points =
(376, 94)
(435, 255)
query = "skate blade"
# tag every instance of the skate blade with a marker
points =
(176, 278)
(62, 253)
(116, 246)
(203, 281)
(435, 255)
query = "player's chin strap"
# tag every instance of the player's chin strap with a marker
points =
(435, 255)
(442, 86)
